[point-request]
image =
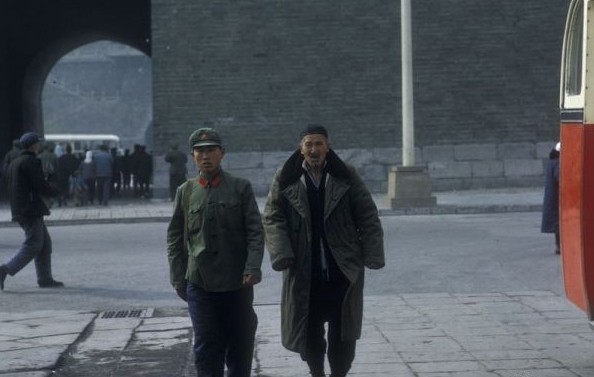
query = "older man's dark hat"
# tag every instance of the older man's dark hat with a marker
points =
(28, 139)
(313, 129)
(204, 137)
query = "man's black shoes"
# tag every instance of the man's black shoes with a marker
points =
(50, 283)
(3, 274)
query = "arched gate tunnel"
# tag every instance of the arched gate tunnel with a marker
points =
(35, 34)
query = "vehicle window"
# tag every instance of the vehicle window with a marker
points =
(573, 57)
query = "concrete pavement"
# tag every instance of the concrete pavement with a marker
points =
(507, 334)
(513, 334)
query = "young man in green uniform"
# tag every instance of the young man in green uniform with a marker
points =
(215, 246)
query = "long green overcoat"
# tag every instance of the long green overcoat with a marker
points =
(354, 235)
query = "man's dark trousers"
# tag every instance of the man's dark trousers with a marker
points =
(326, 306)
(38, 246)
(103, 189)
(224, 331)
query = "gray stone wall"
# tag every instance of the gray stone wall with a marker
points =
(485, 72)
(451, 167)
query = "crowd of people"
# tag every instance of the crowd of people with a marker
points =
(94, 176)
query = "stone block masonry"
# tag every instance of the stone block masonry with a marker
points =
(450, 167)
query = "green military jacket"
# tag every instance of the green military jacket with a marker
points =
(224, 235)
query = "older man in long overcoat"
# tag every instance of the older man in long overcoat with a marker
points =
(322, 229)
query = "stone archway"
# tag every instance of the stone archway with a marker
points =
(35, 34)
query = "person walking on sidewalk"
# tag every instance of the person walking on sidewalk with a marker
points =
(177, 169)
(11, 155)
(550, 205)
(26, 188)
(215, 246)
(322, 229)
(88, 172)
(8, 158)
(67, 165)
(104, 171)
(142, 172)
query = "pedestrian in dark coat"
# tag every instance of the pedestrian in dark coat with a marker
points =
(27, 187)
(134, 164)
(550, 205)
(11, 155)
(49, 162)
(126, 173)
(116, 177)
(88, 172)
(8, 158)
(322, 229)
(104, 166)
(143, 171)
(177, 169)
(67, 165)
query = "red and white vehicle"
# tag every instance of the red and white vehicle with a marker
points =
(577, 156)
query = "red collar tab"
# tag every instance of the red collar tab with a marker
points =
(214, 182)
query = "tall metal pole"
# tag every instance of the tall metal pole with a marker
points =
(408, 185)
(408, 130)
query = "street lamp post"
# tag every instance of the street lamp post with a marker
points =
(409, 185)
(408, 116)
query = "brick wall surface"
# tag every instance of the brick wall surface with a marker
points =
(258, 70)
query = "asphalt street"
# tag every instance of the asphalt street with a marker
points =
(125, 265)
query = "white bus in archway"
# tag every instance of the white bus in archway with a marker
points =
(82, 142)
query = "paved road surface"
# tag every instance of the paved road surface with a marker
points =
(425, 254)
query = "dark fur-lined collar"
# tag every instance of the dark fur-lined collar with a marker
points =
(293, 169)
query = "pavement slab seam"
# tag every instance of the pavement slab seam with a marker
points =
(96, 346)
(72, 347)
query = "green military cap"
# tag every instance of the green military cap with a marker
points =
(205, 137)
